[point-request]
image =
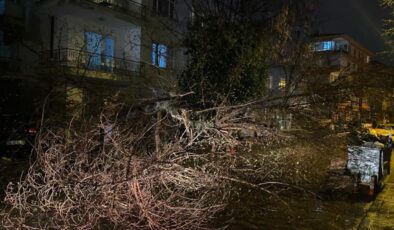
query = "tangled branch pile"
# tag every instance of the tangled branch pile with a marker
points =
(165, 169)
(85, 179)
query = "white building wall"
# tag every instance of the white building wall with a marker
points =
(132, 44)
(70, 31)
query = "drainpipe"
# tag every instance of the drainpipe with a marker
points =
(360, 108)
(52, 34)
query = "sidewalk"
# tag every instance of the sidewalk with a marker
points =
(380, 214)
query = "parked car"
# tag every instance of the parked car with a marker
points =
(382, 130)
(17, 136)
(18, 115)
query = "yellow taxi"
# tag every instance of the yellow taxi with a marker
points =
(382, 130)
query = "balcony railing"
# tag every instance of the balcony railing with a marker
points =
(128, 6)
(83, 60)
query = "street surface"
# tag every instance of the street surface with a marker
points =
(380, 213)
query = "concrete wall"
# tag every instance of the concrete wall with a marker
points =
(70, 31)
(167, 31)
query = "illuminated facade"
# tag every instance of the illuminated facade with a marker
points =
(342, 60)
(340, 56)
(130, 46)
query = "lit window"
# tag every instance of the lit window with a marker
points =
(2, 7)
(154, 53)
(324, 46)
(100, 51)
(282, 83)
(93, 48)
(159, 55)
(109, 45)
(333, 77)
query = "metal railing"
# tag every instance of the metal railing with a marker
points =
(123, 5)
(89, 61)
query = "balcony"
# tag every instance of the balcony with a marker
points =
(126, 6)
(82, 63)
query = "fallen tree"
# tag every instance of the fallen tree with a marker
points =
(154, 165)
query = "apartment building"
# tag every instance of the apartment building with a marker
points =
(341, 58)
(340, 55)
(93, 48)
(11, 23)
(336, 56)
(15, 83)
(337, 59)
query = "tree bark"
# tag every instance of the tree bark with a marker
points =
(158, 128)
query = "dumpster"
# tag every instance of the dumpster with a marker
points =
(367, 164)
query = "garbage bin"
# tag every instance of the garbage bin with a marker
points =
(366, 164)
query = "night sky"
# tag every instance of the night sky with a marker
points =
(361, 19)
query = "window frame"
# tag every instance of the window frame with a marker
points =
(5, 51)
(2, 7)
(169, 7)
(94, 51)
(108, 60)
(322, 46)
(157, 56)
(282, 83)
(96, 56)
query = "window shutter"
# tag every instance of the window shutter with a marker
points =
(163, 52)
(93, 47)
(109, 45)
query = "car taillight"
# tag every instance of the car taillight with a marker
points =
(31, 131)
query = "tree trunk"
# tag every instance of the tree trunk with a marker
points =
(158, 130)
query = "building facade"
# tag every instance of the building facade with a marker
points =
(93, 48)
(345, 62)
(338, 63)
(341, 55)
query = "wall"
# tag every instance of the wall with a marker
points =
(71, 23)
(166, 31)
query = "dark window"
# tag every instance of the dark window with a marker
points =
(164, 8)
(2, 7)
(171, 6)
(4, 49)
(345, 47)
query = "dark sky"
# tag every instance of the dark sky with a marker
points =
(361, 19)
